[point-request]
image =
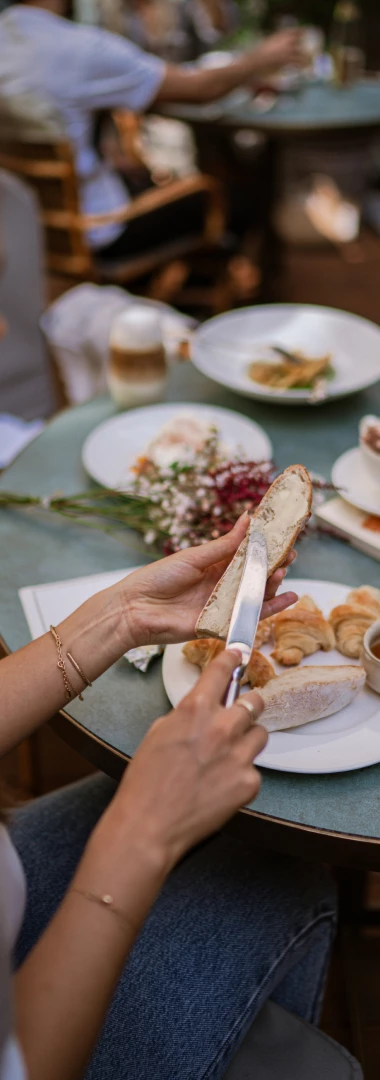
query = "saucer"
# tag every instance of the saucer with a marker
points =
(351, 477)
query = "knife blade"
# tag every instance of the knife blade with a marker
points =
(247, 608)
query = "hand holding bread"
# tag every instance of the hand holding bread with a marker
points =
(281, 515)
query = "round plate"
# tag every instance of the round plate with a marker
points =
(224, 347)
(350, 739)
(110, 450)
(351, 476)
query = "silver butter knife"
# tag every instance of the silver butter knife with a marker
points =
(247, 608)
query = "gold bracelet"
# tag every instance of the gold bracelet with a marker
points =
(78, 669)
(70, 691)
(106, 901)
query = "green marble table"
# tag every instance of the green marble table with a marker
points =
(312, 107)
(328, 817)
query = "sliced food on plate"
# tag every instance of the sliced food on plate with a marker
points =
(159, 436)
(179, 440)
(284, 370)
(289, 353)
(307, 694)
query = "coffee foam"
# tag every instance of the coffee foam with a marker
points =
(136, 328)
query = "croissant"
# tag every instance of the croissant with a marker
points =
(202, 651)
(259, 671)
(301, 631)
(263, 632)
(367, 596)
(351, 620)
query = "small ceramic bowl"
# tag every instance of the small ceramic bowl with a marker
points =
(370, 662)
(370, 457)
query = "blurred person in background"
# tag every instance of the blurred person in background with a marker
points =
(154, 26)
(83, 69)
(205, 24)
(180, 31)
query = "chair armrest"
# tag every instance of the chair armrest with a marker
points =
(146, 203)
(29, 167)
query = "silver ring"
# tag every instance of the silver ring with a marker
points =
(249, 708)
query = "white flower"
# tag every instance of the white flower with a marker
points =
(150, 536)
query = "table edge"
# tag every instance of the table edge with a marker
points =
(287, 836)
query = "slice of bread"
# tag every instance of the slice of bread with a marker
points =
(309, 693)
(281, 515)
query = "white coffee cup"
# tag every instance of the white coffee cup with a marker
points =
(370, 662)
(370, 457)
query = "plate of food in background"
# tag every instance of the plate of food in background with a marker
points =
(166, 434)
(306, 663)
(289, 354)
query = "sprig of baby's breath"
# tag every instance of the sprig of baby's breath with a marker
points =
(175, 507)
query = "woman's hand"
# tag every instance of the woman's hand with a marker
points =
(161, 602)
(192, 771)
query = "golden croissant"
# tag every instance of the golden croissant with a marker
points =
(263, 632)
(200, 652)
(367, 596)
(300, 631)
(259, 671)
(351, 620)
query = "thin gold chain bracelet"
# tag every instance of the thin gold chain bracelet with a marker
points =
(70, 691)
(105, 901)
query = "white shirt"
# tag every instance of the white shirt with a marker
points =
(78, 69)
(12, 903)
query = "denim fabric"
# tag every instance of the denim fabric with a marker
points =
(231, 928)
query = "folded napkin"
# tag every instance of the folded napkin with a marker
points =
(15, 434)
(360, 529)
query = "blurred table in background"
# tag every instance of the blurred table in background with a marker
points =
(310, 107)
(260, 152)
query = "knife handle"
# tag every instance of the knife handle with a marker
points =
(233, 689)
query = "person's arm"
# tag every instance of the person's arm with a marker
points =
(201, 85)
(192, 771)
(31, 684)
(159, 603)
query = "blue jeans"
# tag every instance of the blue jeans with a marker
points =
(231, 928)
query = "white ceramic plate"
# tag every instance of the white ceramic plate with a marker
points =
(110, 450)
(354, 481)
(224, 347)
(350, 739)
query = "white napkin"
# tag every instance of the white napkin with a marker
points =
(15, 434)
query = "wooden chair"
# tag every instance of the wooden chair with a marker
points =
(49, 167)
